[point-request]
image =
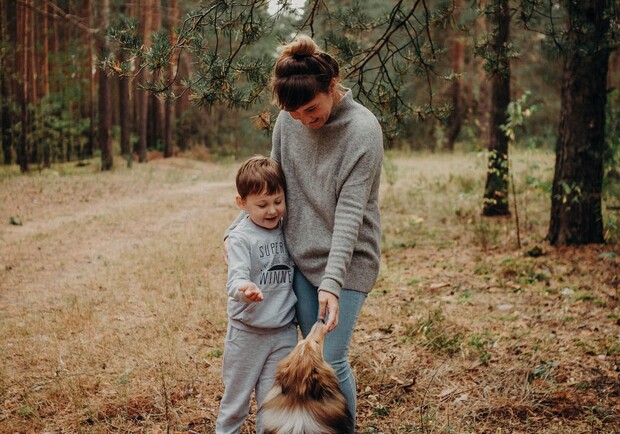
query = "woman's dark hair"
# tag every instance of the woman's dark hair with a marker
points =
(301, 72)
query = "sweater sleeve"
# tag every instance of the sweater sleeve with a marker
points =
(358, 179)
(239, 261)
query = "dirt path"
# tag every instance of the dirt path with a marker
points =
(63, 238)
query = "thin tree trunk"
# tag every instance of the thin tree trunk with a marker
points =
(34, 76)
(105, 115)
(455, 120)
(31, 77)
(576, 202)
(45, 83)
(7, 75)
(105, 121)
(143, 95)
(124, 116)
(23, 153)
(45, 62)
(496, 187)
(124, 104)
(169, 106)
(92, 77)
(143, 126)
(159, 115)
(182, 103)
(134, 10)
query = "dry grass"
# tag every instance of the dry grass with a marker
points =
(112, 305)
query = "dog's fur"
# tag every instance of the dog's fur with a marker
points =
(306, 396)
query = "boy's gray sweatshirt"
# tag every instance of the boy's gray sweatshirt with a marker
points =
(332, 225)
(259, 255)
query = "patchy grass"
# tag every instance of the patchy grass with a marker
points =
(112, 304)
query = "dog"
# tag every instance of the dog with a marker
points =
(306, 396)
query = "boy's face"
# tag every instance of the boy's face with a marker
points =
(265, 210)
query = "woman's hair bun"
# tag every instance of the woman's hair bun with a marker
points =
(302, 46)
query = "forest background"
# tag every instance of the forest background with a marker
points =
(110, 77)
(142, 105)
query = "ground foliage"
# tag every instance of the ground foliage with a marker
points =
(113, 319)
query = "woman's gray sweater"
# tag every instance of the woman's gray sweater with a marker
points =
(332, 226)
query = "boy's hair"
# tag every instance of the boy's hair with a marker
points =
(260, 175)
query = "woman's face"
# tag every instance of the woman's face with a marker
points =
(315, 113)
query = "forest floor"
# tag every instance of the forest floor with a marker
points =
(112, 304)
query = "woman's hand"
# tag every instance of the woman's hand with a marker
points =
(328, 307)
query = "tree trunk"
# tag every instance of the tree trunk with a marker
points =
(476, 90)
(457, 60)
(182, 103)
(576, 215)
(45, 83)
(32, 77)
(124, 116)
(5, 98)
(45, 62)
(124, 103)
(159, 115)
(105, 115)
(7, 76)
(168, 104)
(455, 121)
(496, 188)
(23, 153)
(105, 122)
(92, 77)
(143, 95)
(142, 125)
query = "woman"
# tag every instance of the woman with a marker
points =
(330, 149)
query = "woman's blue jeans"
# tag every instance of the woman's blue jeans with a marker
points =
(336, 345)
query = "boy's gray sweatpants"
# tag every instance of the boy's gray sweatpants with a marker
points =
(249, 365)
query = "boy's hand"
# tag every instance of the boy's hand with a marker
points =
(251, 292)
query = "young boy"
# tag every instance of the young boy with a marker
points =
(261, 302)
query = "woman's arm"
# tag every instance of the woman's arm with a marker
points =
(360, 182)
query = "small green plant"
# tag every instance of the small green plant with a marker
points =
(437, 335)
(517, 112)
(480, 343)
(544, 371)
(485, 234)
(612, 228)
(216, 353)
(381, 410)
(26, 411)
(613, 349)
